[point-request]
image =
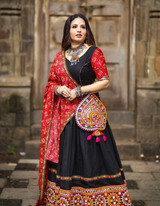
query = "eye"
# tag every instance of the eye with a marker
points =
(83, 27)
(74, 26)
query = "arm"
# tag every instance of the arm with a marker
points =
(98, 64)
(95, 87)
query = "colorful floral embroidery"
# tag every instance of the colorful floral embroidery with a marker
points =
(91, 114)
(100, 201)
(85, 178)
(87, 201)
(51, 195)
(126, 198)
(63, 201)
(98, 63)
(52, 170)
(113, 199)
(77, 196)
(77, 200)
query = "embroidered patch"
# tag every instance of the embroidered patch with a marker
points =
(87, 201)
(63, 201)
(91, 114)
(100, 201)
(113, 199)
(77, 200)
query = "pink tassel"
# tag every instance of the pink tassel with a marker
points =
(104, 138)
(97, 139)
(89, 137)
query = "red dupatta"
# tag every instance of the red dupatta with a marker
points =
(57, 112)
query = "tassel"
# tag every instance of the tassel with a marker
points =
(97, 139)
(104, 138)
(89, 137)
(97, 133)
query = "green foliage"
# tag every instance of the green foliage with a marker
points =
(10, 149)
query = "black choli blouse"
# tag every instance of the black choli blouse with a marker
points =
(82, 72)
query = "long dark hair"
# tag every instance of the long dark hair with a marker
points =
(66, 41)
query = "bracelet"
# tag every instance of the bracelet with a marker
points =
(78, 91)
(56, 92)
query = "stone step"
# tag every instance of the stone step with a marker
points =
(36, 137)
(32, 149)
(114, 117)
(36, 116)
(127, 150)
(124, 132)
(121, 117)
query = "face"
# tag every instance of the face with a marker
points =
(78, 31)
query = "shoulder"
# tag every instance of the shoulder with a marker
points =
(98, 51)
(93, 48)
(58, 56)
(98, 57)
(90, 51)
(57, 59)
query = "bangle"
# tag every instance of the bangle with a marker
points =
(78, 91)
(56, 92)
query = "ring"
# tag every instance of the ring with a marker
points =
(61, 92)
(67, 97)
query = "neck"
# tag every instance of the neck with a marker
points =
(74, 45)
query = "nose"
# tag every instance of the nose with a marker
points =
(79, 29)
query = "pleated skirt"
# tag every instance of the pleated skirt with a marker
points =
(88, 173)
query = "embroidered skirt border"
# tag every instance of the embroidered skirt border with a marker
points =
(116, 195)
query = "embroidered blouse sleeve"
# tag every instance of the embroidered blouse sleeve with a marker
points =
(98, 64)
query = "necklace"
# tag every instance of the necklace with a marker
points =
(75, 52)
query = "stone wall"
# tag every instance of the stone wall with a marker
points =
(148, 75)
(15, 101)
(16, 71)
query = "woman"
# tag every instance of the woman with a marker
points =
(79, 162)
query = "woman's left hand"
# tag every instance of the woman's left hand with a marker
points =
(72, 95)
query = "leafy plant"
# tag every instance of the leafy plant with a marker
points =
(10, 149)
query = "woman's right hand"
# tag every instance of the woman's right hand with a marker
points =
(64, 91)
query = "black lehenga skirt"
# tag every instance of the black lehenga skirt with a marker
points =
(88, 173)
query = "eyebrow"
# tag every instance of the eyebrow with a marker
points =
(77, 24)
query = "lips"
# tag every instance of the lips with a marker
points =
(79, 35)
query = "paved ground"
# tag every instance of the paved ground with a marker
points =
(19, 182)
